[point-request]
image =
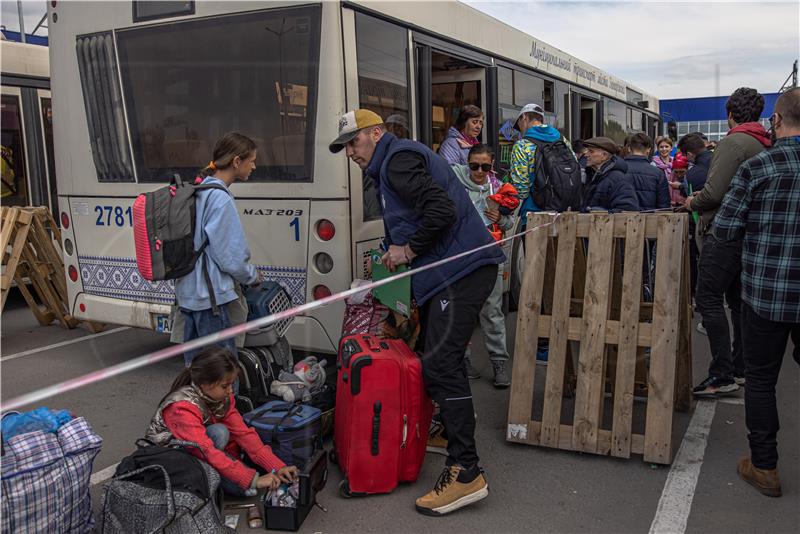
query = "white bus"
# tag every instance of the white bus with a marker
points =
(142, 90)
(26, 151)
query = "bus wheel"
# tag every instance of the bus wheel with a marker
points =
(517, 265)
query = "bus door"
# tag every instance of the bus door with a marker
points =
(586, 116)
(448, 78)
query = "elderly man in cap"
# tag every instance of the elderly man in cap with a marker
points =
(428, 216)
(606, 186)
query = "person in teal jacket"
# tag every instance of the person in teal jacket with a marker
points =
(530, 122)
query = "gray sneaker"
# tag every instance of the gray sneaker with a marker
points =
(501, 377)
(471, 371)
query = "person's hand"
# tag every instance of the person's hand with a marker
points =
(259, 279)
(394, 257)
(687, 204)
(268, 482)
(492, 215)
(288, 473)
(675, 185)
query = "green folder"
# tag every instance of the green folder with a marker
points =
(395, 295)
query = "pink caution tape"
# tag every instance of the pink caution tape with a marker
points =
(175, 350)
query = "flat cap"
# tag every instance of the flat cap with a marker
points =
(603, 143)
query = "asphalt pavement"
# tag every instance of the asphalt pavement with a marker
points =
(531, 488)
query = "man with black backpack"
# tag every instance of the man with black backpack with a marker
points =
(543, 167)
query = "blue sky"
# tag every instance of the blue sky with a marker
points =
(669, 49)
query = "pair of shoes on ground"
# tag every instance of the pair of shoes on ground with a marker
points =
(457, 487)
(717, 387)
(765, 481)
(501, 377)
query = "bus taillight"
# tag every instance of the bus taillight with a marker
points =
(73, 273)
(323, 262)
(320, 292)
(64, 220)
(325, 229)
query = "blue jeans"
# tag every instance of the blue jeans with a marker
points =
(219, 435)
(204, 322)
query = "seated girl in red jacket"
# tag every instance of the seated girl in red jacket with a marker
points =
(200, 408)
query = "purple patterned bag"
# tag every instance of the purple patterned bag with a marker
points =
(45, 480)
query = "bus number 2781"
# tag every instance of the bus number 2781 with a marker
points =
(113, 216)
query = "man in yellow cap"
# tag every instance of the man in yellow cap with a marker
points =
(428, 216)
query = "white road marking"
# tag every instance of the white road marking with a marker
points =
(732, 400)
(676, 498)
(62, 344)
(103, 475)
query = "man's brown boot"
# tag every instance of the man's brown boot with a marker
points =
(764, 480)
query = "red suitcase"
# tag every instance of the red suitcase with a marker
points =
(382, 415)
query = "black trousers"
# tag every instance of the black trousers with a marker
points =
(718, 280)
(764, 347)
(448, 320)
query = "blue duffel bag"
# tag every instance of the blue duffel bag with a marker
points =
(292, 430)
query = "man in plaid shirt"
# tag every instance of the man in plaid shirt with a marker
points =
(762, 207)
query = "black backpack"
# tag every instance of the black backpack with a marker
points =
(184, 470)
(557, 183)
(163, 232)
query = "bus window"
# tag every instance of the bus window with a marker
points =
(548, 97)
(97, 66)
(15, 184)
(614, 121)
(47, 122)
(527, 89)
(382, 53)
(505, 116)
(189, 82)
(448, 99)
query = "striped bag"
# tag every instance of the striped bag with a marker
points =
(45, 480)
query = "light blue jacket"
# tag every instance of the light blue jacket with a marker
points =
(227, 253)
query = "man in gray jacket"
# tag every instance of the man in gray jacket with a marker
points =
(719, 268)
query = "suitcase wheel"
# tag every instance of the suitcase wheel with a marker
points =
(344, 489)
(332, 457)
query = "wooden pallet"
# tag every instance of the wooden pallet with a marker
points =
(36, 260)
(13, 236)
(593, 308)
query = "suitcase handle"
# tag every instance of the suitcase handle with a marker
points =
(374, 345)
(376, 427)
(349, 348)
(355, 374)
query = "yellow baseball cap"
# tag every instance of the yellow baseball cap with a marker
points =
(351, 123)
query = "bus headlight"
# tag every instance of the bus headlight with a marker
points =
(68, 248)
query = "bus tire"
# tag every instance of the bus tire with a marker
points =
(515, 282)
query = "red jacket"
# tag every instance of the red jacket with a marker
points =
(186, 423)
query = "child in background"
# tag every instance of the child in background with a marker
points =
(200, 408)
(480, 182)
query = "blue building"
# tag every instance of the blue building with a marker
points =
(706, 114)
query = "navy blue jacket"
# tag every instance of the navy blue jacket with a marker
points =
(696, 176)
(609, 187)
(649, 181)
(401, 221)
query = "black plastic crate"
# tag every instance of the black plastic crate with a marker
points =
(312, 480)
